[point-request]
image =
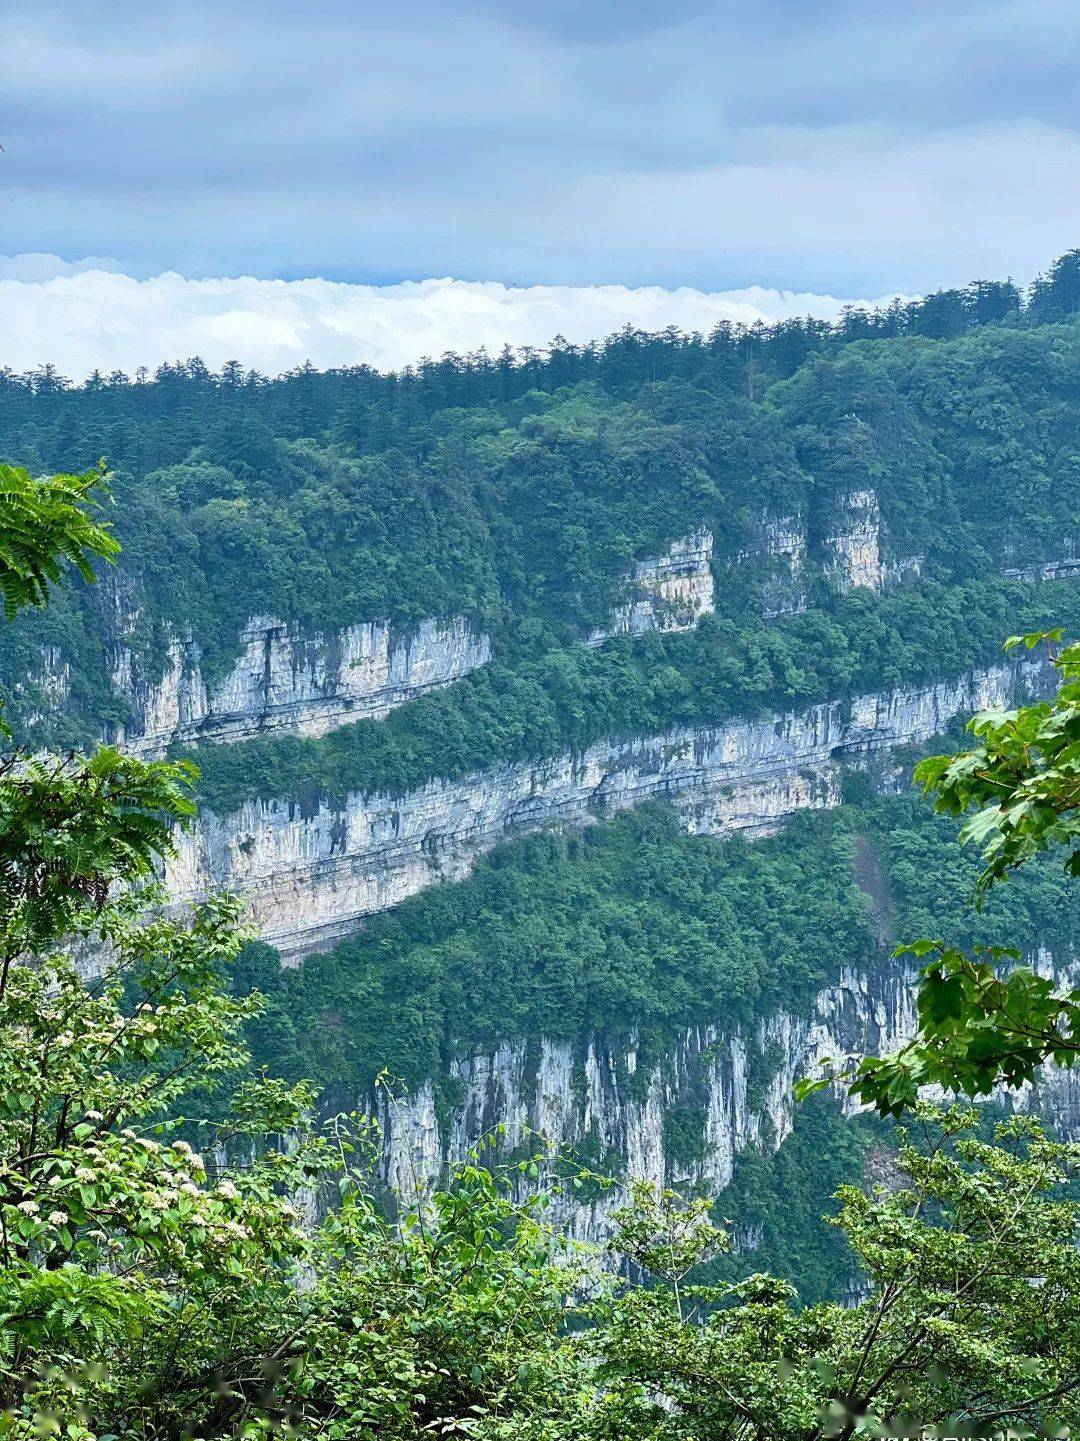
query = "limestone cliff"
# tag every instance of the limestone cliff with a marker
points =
(47, 689)
(285, 680)
(1066, 567)
(853, 550)
(311, 871)
(667, 593)
(305, 683)
(734, 1084)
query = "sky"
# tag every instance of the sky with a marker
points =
(444, 175)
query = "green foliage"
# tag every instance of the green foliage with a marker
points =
(448, 1323)
(1022, 779)
(978, 1028)
(684, 1134)
(102, 1225)
(667, 1235)
(454, 1318)
(147, 1292)
(779, 1207)
(631, 927)
(107, 1237)
(70, 828)
(45, 525)
(73, 828)
(956, 1333)
(48, 526)
(518, 494)
(569, 699)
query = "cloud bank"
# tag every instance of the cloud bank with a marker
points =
(819, 145)
(86, 316)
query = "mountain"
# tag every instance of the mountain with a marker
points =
(493, 668)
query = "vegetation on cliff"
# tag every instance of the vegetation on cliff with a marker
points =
(149, 1291)
(567, 700)
(518, 492)
(984, 1019)
(153, 1291)
(633, 928)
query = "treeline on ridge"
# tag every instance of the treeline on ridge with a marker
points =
(517, 492)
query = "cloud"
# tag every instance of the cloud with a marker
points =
(826, 145)
(82, 319)
(36, 266)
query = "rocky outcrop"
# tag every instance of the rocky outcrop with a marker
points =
(852, 550)
(1066, 567)
(732, 1087)
(779, 559)
(771, 562)
(667, 593)
(310, 872)
(285, 680)
(783, 542)
(47, 689)
(673, 591)
(734, 1084)
(288, 681)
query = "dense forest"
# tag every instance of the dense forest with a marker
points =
(517, 491)
(197, 1235)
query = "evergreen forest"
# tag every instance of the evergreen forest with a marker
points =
(214, 1219)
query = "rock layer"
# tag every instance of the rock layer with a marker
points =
(311, 872)
(287, 681)
(1066, 567)
(668, 593)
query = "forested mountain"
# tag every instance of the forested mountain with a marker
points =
(517, 491)
(399, 620)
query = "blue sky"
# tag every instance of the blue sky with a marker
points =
(844, 149)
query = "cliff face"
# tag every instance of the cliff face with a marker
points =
(783, 542)
(732, 1088)
(735, 1086)
(674, 590)
(48, 688)
(286, 681)
(850, 553)
(853, 548)
(311, 873)
(1065, 568)
(668, 593)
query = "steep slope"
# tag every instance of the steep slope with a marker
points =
(311, 872)
(408, 624)
(644, 997)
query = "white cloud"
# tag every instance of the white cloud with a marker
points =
(34, 266)
(83, 316)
